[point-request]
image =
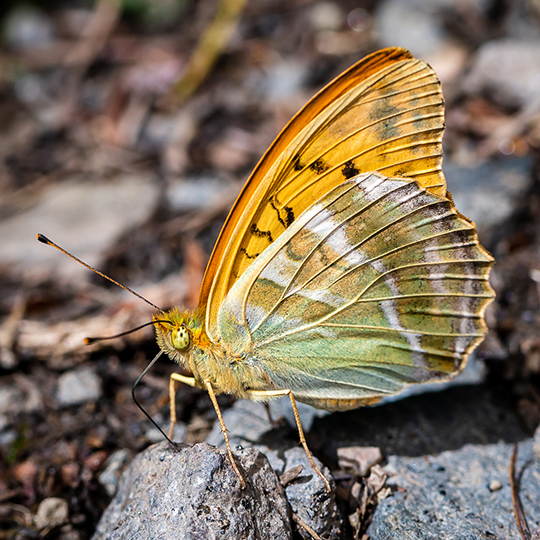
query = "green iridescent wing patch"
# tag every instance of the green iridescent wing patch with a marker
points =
(377, 285)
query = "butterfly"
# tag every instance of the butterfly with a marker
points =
(343, 272)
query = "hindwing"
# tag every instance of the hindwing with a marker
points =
(378, 284)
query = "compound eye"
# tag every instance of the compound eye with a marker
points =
(181, 338)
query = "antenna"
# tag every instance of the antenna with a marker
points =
(90, 340)
(44, 240)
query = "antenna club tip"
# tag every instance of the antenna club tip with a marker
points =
(89, 340)
(43, 239)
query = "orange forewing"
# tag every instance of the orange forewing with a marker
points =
(384, 113)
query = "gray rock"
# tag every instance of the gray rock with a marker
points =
(507, 69)
(281, 408)
(520, 20)
(153, 435)
(193, 493)
(487, 193)
(309, 498)
(10, 400)
(449, 496)
(196, 193)
(23, 396)
(77, 386)
(284, 79)
(412, 24)
(247, 423)
(113, 468)
(84, 217)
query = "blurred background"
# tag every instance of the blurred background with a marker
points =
(127, 128)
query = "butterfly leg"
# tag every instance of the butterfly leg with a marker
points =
(273, 423)
(176, 377)
(279, 393)
(208, 385)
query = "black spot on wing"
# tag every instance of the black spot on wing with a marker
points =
(288, 216)
(349, 170)
(319, 166)
(244, 251)
(255, 231)
(297, 166)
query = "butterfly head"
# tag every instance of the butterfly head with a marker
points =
(178, 332)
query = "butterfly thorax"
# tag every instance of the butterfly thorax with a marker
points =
(182, 336)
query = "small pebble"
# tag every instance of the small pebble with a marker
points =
(51, 512)
(26, 27)
(10, 400)
(77, 386)
(114, 467)
(358, 459)
(495, 485)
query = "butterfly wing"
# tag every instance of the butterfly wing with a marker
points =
(384, 114)
(379, 284)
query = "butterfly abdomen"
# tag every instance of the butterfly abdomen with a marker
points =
(229, 373)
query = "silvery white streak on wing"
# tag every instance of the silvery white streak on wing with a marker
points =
(402, 198)
(465, 323)
(254, 314)
(370, 183)
(465, 245)
(390, 310)
(430, 219)
(282, 270)
(322, 295)
(324, 224)
(279, 270)
(236, 308)
(355, 257)
(431, 255)
(339, 242)
(337, 239)
(279, 321)
(436, 275)
(325, 332)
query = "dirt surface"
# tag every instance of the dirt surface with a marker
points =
(104, 150)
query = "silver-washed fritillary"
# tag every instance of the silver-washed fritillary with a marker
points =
(344, 272)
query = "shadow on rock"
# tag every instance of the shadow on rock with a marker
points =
(425, 424)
